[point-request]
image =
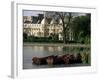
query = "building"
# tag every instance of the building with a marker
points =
(45, 28)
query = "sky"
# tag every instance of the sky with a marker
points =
(31, 13)
(35, 13)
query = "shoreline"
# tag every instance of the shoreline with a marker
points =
(56, 44)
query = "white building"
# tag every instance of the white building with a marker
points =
(43, 29)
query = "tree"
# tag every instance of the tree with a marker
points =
(24, 35)
(65, 23)
(81, 28)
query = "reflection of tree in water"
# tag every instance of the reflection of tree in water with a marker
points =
(74, 50)
(65, 49)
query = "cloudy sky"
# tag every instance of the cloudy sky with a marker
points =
(35, 13)
(31, 13)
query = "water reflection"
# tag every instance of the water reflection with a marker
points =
(42, 51)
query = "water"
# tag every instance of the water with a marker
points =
(30, 51)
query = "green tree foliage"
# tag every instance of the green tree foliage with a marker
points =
(81, 28)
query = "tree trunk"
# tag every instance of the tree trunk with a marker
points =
(64, 34)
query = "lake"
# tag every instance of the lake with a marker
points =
(30, 51)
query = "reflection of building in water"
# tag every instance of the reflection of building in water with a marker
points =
(59, 48)
(43, 27)
(51, 48)
(41, 48)
(54, 48)
(35, 48)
